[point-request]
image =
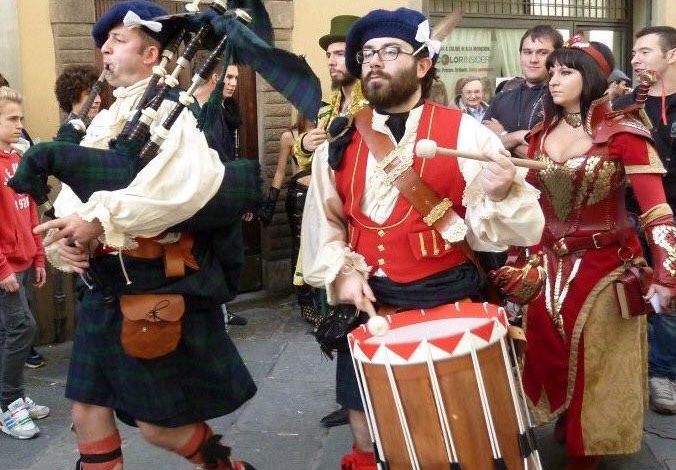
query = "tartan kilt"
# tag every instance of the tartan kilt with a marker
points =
(202, 379)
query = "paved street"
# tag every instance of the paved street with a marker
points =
(279, 428)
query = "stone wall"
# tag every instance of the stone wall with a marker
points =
(72, 21)
(274, 116)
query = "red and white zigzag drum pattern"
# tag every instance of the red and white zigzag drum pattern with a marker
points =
(440, 390)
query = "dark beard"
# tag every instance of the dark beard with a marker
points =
(397, 90)
(347, 80)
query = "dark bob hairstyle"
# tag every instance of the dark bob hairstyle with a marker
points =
(594, 82)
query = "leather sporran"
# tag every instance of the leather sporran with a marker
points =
(631, 287)
(151, 324)
(332, 328)
(521, 279)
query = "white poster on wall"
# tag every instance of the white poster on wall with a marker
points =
(467, 51)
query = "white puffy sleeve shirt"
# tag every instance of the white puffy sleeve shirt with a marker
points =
(170, 189)
(487, 226)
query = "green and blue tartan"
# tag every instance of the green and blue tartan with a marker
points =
(202, 379)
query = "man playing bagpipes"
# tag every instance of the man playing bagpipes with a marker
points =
(150, 342)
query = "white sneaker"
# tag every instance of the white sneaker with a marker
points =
(36, 411)
(663, 395)
(17, 422)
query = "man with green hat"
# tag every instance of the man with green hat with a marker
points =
(345, 98)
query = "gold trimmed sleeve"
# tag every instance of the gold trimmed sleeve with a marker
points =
(654, 164)
(654, 213)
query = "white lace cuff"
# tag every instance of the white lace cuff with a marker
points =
(340, 259)
(111, 236)
(52, 255)
(476, 200)
(455, 230)
(345, 261)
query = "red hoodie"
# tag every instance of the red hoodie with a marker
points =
(19, 247)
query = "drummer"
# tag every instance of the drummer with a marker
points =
(367, 241)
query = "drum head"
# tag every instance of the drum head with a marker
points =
(440, 332)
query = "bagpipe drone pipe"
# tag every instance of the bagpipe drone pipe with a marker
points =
(87, 170)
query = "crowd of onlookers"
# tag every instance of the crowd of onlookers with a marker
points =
(517, 106)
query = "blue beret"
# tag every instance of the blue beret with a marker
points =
(115, 14)
(401, 23)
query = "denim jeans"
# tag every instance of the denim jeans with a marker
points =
(17, 329)
(662, 345)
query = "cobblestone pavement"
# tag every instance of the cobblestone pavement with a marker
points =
(279, 428)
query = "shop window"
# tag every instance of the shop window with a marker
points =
(590, 9)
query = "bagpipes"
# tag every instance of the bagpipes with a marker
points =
(87, 170)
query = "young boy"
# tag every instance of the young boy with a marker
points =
(19, 251)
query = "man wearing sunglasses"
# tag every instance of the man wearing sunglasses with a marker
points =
(364, 206)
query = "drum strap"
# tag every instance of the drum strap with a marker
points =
(409, 183)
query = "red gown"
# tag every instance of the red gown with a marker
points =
(582, 357)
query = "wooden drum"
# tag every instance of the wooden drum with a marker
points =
(439, 391)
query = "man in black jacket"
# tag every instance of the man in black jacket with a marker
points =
(655, 49)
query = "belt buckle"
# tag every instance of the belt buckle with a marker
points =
(597, 243)
(559, 247)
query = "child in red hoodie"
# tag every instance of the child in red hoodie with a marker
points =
(20, 250)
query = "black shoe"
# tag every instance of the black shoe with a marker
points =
(336, 418)
(233, 319)
(34, 359)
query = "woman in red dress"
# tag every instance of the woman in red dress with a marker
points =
(584, 363)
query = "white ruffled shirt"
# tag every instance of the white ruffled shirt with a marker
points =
(487, 226)
(183, 177)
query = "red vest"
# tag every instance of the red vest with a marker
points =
(404, 246)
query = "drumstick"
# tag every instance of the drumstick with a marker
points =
(427, 148)
(376, 325)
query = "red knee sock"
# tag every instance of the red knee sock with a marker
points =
(104, 454)
(195, 449)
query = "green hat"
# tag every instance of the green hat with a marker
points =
(340, 25)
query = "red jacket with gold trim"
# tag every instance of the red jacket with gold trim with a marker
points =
(404, 246)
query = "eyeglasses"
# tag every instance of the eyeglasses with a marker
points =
(387, 53)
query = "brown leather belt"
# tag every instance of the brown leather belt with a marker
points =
(176, 255)
(567, 245)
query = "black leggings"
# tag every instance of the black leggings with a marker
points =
(294, 204)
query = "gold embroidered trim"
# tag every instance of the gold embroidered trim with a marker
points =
(655, 212)
(554, 300)
(602, 182)
(422, 244)
(664, 237)
(580, 321)
(574, 120)
(654, 164)
(405, 162)
(437, 211)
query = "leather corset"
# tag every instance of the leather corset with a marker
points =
(584, 194)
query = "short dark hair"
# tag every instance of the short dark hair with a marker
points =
(543, 31)
(667, 36)
(594, 82)
(72, 82)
